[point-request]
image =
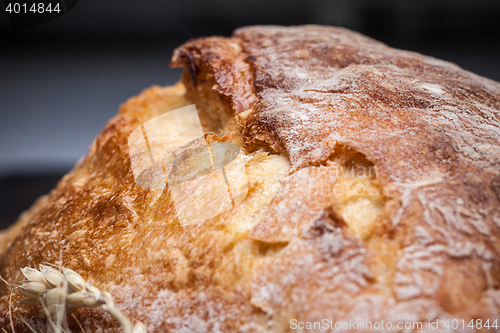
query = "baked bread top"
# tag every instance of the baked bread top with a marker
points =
(374, 189)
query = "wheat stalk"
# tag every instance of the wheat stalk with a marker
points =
(61, 292)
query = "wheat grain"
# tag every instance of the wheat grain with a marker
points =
(62, 291)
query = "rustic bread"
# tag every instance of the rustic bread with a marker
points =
(373, 193)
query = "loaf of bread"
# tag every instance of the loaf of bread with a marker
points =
(373, 181)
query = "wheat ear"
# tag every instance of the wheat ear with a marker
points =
(62, 291)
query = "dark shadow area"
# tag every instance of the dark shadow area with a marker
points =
(19, 192)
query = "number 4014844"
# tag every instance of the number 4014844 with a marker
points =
(474, 324)
(36, 8)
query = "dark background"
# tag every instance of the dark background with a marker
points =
(61, 81)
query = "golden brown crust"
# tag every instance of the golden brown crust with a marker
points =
(420, 136)
(431, 130)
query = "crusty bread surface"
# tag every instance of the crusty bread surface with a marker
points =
(373, 193)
